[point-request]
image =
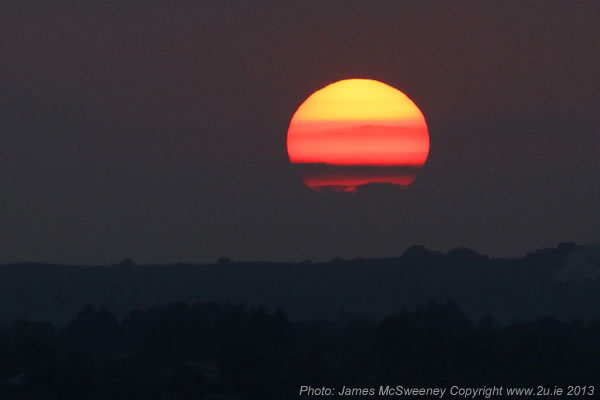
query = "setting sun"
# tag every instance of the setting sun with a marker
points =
(358, 123)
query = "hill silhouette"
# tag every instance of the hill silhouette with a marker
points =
(562, 281)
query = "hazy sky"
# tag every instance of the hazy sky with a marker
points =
(157, 131)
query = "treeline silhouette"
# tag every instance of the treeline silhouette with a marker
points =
(223, 351)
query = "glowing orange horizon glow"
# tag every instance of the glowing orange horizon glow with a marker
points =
(358, 122)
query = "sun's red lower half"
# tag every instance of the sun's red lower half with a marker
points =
(320, 177)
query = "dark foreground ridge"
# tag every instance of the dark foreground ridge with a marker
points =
(563, 281)
(211, 351)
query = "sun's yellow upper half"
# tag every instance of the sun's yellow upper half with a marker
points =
(358, 99)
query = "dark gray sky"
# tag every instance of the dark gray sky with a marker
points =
(157, 131)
